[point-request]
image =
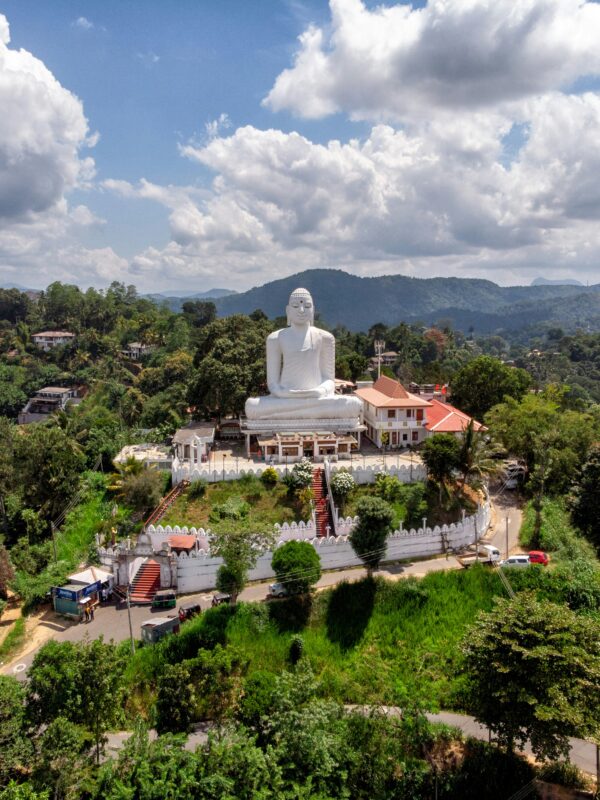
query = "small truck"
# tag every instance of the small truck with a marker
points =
(488, 554)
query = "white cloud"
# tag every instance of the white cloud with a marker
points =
(397, 62)
(83, 23)
(149, 59)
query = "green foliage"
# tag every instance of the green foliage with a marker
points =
(564, 774)
(7, 572)
(142, 492)
(232, 508)
(82, 682)
(484, 382)
(269, 476)
(176, 699)
(13, 640)
(530, 670)
(296, 649)
(487, 771)
(297, 565)
(196, 490)
(22, 791)
(231, 579)
(441, 456)
(15, 745)
(407, 499)
(62, 758)
(369, 535)
(585, 498)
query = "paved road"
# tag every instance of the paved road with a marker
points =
(111, 621)
(582, 754)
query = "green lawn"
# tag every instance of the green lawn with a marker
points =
(267, 505)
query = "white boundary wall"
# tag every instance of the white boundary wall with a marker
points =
(197, 572)
(362, 474)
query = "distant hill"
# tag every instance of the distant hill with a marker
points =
(20, 287)
(548, 282)
(175, 301)
(358, 303)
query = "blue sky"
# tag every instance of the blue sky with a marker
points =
(230, 142)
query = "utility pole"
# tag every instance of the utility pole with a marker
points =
(129, 616)
(53, 530)
(379, 346)
(507, 521)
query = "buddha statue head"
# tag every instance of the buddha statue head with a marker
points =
(300, 309)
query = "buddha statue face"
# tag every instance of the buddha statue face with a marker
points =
(300, 309)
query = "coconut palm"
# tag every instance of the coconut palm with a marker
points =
(474, 459)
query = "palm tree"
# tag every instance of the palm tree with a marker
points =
(474, 459)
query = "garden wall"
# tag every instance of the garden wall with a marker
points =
(362, 474)
(197, 572)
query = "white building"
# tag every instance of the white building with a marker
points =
(193, 442)
(137, 350)
(393, 417)
(150, 455)
(46, 402)
(46, 340)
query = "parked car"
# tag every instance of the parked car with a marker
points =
(538, 557)
(519, 560)
(189, 610)
(488, 554)
(278, 590)
(220, 598)
(153, 630)
(165, 598)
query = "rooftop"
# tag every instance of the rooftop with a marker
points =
(54, 390)
(388, 393)
(201, 428)
(444, 418)
(53, 333)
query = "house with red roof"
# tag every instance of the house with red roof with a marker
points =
(393, 416)
(444, 418)
(397, 418)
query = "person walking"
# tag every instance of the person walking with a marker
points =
(86, 612)
(92, 612)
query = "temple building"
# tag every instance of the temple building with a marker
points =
(287, 448)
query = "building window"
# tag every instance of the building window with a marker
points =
(415, 436)
(391, 413)
(408, 413)
(419, 414)
(405, 437)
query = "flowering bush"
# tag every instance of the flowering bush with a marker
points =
(342, 483)
(302, 473)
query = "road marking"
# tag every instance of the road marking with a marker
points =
(19, 667)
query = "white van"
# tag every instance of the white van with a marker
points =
(519, 560)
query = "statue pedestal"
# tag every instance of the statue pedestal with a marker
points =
(339, 428)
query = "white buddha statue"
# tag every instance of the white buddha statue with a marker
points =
(301, 371)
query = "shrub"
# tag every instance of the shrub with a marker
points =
(296, 650)
(257, 698)
(196, 490)
(297, 564)
(342, 483)
(269, 477)
(232, 508)
(302, 473)
(563, 773)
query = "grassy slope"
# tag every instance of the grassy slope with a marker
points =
(268, 505)
(557, 536)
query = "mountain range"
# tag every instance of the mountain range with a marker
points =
(358, 303)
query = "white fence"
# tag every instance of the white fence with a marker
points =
(197, 571)
(159, 535)
(406, 473)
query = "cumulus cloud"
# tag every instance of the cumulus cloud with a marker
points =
(42, 128)
(395, 62)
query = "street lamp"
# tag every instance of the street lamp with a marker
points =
(129, 617)
(223, 466)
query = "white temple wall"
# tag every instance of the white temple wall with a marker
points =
(197, 572)
(362, 474)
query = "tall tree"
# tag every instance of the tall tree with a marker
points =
(585, 498)
(297, 565)
(531, 669)
(239, 551)
(484, 382)
(441, 456)
(369, 536)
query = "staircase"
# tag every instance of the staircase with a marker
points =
(146, 582)
(321, 506)
(167, 501)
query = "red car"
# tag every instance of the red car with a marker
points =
(538, 557)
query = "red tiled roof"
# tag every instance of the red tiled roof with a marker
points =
(181, 542)
(444, 418)
(388, 393)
